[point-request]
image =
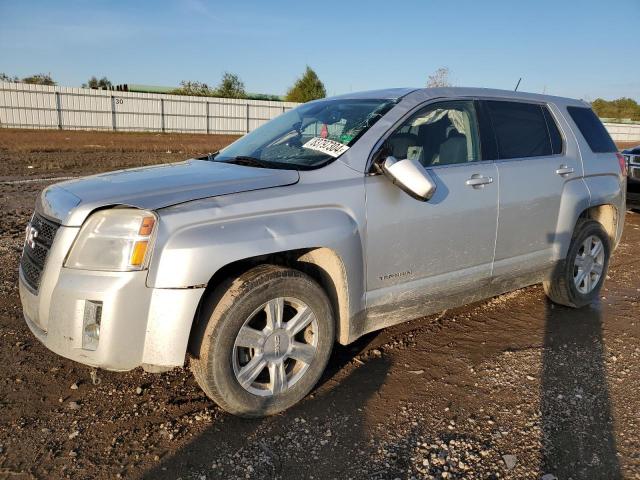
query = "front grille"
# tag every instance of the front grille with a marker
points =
(40, 235)
(46, 229)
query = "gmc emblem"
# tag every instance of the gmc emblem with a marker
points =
(31, 235)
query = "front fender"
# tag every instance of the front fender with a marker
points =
(191, 255)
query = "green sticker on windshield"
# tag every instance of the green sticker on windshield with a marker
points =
(345, 138)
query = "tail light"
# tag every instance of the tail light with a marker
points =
(623, 163)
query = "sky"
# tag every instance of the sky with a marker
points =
(577, 48)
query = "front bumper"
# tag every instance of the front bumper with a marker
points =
(139, 325)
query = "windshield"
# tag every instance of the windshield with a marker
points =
(309, 136)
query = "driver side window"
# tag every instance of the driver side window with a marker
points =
(440, 134)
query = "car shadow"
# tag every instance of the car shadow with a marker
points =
(332, 405)
(578, 438)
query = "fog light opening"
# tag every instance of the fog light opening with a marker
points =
(92, 331)
(91, 324)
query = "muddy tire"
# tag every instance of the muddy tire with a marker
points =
(263, 341)
(576, 281)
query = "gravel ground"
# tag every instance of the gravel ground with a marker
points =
(513, 387)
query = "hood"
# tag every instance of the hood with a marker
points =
(155, 187)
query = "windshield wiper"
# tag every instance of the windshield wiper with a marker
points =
(256, 162)
(249, 162)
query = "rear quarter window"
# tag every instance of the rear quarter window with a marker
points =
(592, 130)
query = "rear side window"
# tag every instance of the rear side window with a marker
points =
(592, 130)
(520, 129)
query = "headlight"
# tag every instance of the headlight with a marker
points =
(116, 240)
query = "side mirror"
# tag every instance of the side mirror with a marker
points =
(410, 176)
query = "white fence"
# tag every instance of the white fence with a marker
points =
(38, 106)
(624, 132)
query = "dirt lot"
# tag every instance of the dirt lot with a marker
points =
(52, 152)
(623, 145)
(513, 387)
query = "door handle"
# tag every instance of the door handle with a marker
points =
(564, 171)
(478, 181)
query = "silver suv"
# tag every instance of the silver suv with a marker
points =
(340, 217)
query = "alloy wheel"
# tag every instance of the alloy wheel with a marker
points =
(275, 346)
(588, 264)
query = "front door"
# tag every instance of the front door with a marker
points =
(418, 254)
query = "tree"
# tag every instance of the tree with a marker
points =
(39, 79)
(439, 78)
(306, 88)
(8, 78)
(620, 108)
(196, 89)
(230, 87)
(102, 84)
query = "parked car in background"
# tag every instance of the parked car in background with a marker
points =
(632, 157)
(340, 217)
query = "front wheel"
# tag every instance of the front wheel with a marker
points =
(266, 343)
(577, 280)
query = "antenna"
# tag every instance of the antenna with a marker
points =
(517, 84)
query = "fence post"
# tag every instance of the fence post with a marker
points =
(206, 117)
(113, 113)
(247, 128)
(162, 114)
(59, 110)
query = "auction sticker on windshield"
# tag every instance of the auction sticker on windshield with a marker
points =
(324, 145)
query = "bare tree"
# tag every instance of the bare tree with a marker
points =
(8, 78)
(439, 78)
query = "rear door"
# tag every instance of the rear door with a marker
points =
(533, 168)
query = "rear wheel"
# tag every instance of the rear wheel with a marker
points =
(577, 280)
(266, 343)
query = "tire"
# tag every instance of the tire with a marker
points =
(561, 287)
(251, 303)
